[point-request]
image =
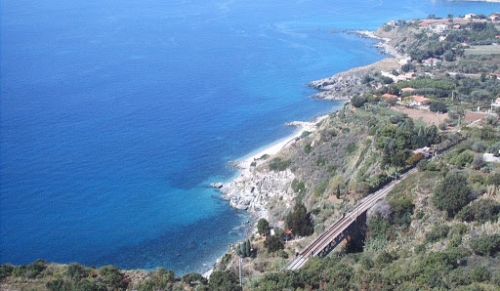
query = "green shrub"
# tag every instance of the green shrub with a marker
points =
(438, 106)
(5, 271)
(263, 227)
(455, 241)
(463, 159)
(378, 227)
(86, 285)
(438, 232)
(358, 101)
(351, 148)
(273, 243)
(481, 210)
(58, 285)
(159, 280)
(452, 194)
(278, 165)
(299, 188)
(488, 245)
(305, 133)
(76, 272)
(494, 179)
(307, 148)
(495, 278)
(30, 271)
(458, 277)
(402, 210)
(223, 281)
(385, 258)
(190, 278)
(320, 189)
(111, 275)
(283, 254)
(480, 274)
(366, 262)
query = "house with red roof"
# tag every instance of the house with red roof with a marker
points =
(420, 100)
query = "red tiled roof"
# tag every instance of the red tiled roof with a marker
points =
(420, 99)
(387, 96)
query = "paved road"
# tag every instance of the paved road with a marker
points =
(337, 228)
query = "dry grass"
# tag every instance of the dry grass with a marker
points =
(471, 116)
(483, 50)
(421, 114)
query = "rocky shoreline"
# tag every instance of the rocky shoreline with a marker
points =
(256, 185)
(345, 85)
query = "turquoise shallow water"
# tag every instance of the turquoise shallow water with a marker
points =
(115, 116)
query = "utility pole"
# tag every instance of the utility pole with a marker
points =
(241, 283)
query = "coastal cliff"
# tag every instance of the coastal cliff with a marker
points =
(254, 188)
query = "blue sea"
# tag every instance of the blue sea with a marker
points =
(116, 115)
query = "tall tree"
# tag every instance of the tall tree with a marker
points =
(299, 221)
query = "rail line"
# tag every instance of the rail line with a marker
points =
(322, 245)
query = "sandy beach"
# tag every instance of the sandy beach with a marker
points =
(275, 147)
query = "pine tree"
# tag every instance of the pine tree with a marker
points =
(248, 247)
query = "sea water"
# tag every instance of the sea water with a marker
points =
(116, 116)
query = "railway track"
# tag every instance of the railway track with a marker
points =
(337, 229)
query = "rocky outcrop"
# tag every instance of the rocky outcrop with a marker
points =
(253, 189)
(345, 85)
(217, 185)
(341, 86)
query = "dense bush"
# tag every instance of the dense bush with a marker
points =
(191, 278)
(159, 280)
(223, 281)
(5, 271)
(30, 271)
(358, 101)
(76, 272)
(378, 227)
(83, 285)
(279, 165)
(111, 275)
(438, 106)
(263, 227)
(494, 179)
(58, 285)
(480, 274)
(488, 245)
(307, 148)
(273, 243)
(452, 194)
(481, 210)
(299, 188)
(402, 210)
(462, 159)
(437, 232)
